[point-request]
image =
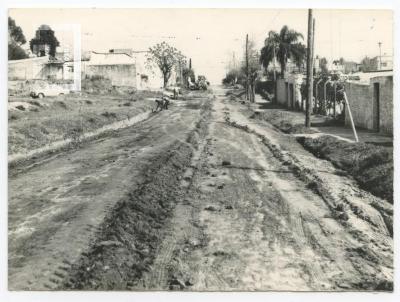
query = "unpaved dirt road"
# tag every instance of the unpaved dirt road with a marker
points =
(192, 200)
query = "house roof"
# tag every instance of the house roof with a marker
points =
(98, 58)
(365, 77)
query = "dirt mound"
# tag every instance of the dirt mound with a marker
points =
(371, 166)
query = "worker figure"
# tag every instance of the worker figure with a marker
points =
(165, 102)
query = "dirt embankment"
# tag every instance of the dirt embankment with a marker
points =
(129, 239)
(36, 123)
(284, 120)
(279, 117)
(371, 166)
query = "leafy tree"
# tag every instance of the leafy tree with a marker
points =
(16, 38)
(253, 68)
(368, 64)
(285, 45)
(323, 64)
(234, 76)
(15, 32)
(188, 73)
(299, 55)
(45, 36)
(165, 57)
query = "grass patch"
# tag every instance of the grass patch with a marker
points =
(285, 121)
(35, 103)
(61, 104)
(109, 114)
(62, 117)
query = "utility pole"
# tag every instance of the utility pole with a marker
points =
(380, 55)
(275, 84)
(247, 67)
(310, 55)
(190, 63)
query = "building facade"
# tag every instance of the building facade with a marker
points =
(371, 102)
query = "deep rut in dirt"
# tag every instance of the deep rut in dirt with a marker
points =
(252, 221)
(128, 242)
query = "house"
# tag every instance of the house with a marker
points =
(146, 78)
(288, 91)
(371, 101)
(150, 77)
(350, 67)
(128, 51)
(383, 62)
(120, 68)
(38, 68)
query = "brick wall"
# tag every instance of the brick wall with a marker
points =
(281, 92)
(26, 69)
(386, 103)
(363, 107)
(119, 74)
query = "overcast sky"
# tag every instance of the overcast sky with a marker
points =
(210, 36)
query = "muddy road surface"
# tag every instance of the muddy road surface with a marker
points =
(199, 197)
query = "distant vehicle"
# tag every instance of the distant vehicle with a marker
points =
(172, 88)
(41, 92)
(173, 92)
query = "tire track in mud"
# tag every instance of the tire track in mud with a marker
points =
(160, 276)
(359, 237)
(141, 263)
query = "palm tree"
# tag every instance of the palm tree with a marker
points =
(283, 45)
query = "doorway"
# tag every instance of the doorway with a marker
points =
(291, 96)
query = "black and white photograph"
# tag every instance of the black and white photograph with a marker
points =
(200, 149)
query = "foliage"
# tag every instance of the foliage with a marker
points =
(16, 38)
(284, 45)
(15, 52)
(323, 64)
(15, 32)
(368, 64)
(165, 57)
(299, 55)
(253, 68)
(234, 76)
(188, 74)
(45, 35)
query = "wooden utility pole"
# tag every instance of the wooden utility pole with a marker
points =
(351, 117)
(275, 83)
(310, 57)
(247, 67)
(190, 63)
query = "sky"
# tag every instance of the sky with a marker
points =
(210, 37)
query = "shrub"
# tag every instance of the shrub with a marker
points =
(109, 114)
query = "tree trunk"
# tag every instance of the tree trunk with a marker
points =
(283, 67)
(165, 81)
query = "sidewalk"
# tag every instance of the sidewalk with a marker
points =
(317, 121)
